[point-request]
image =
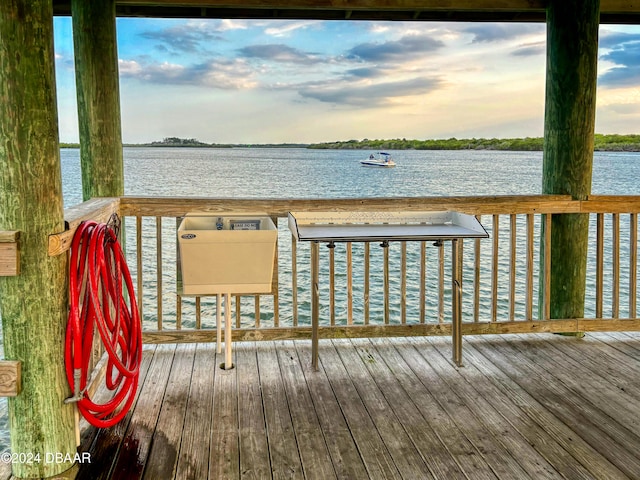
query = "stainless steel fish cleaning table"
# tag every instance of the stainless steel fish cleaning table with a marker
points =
(385, 227)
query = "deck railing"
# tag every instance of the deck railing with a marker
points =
(400, 290)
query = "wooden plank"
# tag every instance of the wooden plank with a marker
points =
(405, 456)
(611, 204)
(253, 448)
(487, 205)
(9, 259)
(546, 458)
(9, 236)
(162, 461)
(97, 209)
(345, 456)
(371, 446)
(314, 454)
(224, 433)
(103, 445)
(589, 423)
(488, 434)
(193, 461)
(610, 361)
(440, 443)
(609, 424)
(412, 328)
(132, 455)
(573, 456)
(283, 449)
(604, 393)
(10, 378)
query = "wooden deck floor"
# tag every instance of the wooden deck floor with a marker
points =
(526, 406)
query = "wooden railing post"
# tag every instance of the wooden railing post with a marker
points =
(33, 304)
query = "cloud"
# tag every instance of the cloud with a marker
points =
(493, 32)
(218, 74)
(280, 53)
(624, 53)
(530, 49)
(369, 95)
(285, 28)
(365, 72)
(189, 37)
(409, 46)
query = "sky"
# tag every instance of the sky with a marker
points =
(280, 81)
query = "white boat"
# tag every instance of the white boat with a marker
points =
(380, 159)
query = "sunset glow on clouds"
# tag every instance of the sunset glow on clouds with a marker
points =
(234, 81)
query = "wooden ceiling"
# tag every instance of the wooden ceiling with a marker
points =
(612, 11)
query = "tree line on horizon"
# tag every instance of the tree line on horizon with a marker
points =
(613, 142)
(621, 143)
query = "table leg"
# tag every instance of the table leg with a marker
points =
(315, 304)
(456, 303)
(228, 362)
(219, 323)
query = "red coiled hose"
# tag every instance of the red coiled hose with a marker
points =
(102, 297)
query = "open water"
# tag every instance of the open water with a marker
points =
(302, 173)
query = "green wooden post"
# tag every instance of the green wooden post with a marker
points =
(572, 54)
(33, 304)
(96, 61)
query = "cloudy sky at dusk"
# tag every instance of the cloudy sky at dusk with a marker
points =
(236, 81)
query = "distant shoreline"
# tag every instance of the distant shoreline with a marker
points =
(608, 143)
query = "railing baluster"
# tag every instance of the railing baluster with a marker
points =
(547, 268)
(365, 307)
(386, 283)
(423, 281)
(294, 280)
(529, 280)
(494, 268)
(599, 264)
(256, 310)
(633, 263)
(139, 265)
(440, 284)
(403, 282)
(512, 267)
(615, 300)
(349, 284)
(198, 313)
(476, 277)
(238, 308)
(178, 312)
(159, 269)
(332, 284)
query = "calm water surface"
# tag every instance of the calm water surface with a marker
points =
(302, 173)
